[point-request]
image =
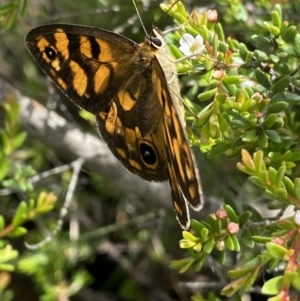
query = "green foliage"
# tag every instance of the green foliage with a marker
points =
(252, 100)
(38, 264)
(12, 174)
(9, 12)
(250, 92)
(53, 285)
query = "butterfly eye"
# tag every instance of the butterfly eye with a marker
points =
(156, 42)
(50, 53)
(148, 154)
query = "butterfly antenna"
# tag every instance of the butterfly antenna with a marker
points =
(139, 16)
(167, 11)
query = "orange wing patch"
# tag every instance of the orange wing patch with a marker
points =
(80, 78)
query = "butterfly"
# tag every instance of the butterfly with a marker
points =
(133, 91)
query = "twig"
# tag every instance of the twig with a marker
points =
(64, 210)
(38, 177)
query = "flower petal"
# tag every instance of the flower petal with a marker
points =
(199, 39)
(185, 49)
(187, 39)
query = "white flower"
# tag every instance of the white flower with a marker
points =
(190, 45)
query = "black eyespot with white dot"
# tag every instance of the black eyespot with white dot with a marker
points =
(50, 53)
(148, 154)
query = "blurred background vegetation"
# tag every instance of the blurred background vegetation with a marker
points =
(93, 257)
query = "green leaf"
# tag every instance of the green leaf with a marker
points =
(222, 257)
(273, 136)
(244, 270)
(280, 193)
(286, 225)
(229, 243)
(261, 239)
(231, 213)
(263, 177)
(247, 238)
(248, 104)
(272, 286)
(204, 115)
(250, 280)
(276, 251)
(228, 200)
(204, 234)
(250, 136)
(297, 188)
(199, 264)
(19, 231)
(246, 215)
(212, 222)
(218, 150)
(181, 263)
(20, 214)
(231, 288)
(208, 246)
(256, 216)
(225, 127)
(6, 8)
(7, 254)
(277, 107)
(2, 222)
(197, 227)
(274, 30)
(236, 243)
(281, 84)
(284, 26)
(269, 121)
(289, 185)
(4, 168)
(188, 236)
(18, 140)
(296, 281)
(243, 51)
(295, 156)
(262, 139)
(261, 40)
(7, 267)
(207, 95)
(280, 174)
(231, 80)
(11, 19)
(215, 43)
(258, 158)
(289, 34)
(219, 31)
(276, 18)
(231, 88)
(262, 78)
(24, 6)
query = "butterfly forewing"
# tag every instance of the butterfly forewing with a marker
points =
(82, 61)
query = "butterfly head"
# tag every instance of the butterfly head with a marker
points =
(155, 40)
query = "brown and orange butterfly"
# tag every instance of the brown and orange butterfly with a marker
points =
(133, 91)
